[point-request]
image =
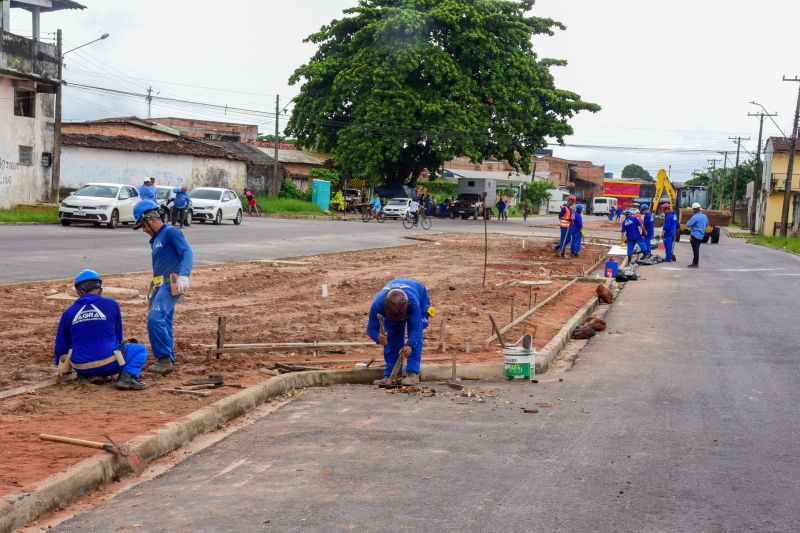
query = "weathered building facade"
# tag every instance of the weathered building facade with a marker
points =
(29, 77)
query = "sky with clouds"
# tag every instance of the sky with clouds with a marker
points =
(674, 77)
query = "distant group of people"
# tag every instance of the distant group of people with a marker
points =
(614, 213)
(640, 231)
(180, 204)
(570, 222)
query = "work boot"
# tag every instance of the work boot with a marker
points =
(163, 366)
(83, 380)
(382, 381)
(693, 266)
(126, 381)
(412, 378)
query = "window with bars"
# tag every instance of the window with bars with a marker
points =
(24, 102)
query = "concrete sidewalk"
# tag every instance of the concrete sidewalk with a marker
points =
(687, 426)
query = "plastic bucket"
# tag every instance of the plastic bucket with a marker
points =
(611, 269)
(519, 363)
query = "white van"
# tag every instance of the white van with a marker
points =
(558, 198)
(601, 206)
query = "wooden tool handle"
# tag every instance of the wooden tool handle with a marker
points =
(497, 331)
(77, 442)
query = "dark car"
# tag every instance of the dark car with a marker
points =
(466, 205)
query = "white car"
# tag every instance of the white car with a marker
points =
(99, 203)
(397, 208)
(213, 203)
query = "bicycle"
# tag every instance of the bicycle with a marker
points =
(424, 221)
(368, 213)
(254, 210)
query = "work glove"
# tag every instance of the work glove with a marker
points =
(183, 284)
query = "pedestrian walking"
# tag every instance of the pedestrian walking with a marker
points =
(172, 265)
(501, 209)
(668, 232)
(525, 210)
(180, 205)
(697, 225)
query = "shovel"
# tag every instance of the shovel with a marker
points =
(124, 451)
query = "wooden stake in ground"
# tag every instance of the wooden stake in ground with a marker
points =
(455, 373)
(512, 308)
(530, 296)
(485, 245)
(497, 332)
(220, 334)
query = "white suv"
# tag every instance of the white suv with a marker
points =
(212, 203)
(99, 203)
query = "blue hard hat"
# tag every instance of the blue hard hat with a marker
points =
(644, 207)
(86, 275)
(579, 207)
(142, 207)
(626, 212)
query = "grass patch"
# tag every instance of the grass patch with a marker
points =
(30, 213)
(287, 206)
(788, 244)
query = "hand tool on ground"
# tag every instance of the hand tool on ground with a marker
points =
(497, 332)
(214, 379)
(527, 341)
(124, 451)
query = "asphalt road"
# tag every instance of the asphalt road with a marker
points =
(682, 416)
(36, 252)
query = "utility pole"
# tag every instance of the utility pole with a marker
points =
(787, 193)
(149, 100)
(724, 174)
(276, 184)
(738, 141)
(711, 188)
(55, 179)
(758, 187)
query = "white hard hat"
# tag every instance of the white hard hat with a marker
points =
(696, 206)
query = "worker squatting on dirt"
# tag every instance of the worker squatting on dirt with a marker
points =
(668, 232)
(172, 258)
(632, 233)
(89, 337)
(576, 232)
(564, 223)
(404, 305)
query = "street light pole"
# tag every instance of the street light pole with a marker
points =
(759, 182)
(55, 180)
(787, 193)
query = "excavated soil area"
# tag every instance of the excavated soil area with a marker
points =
(602, 225)
(266, 302)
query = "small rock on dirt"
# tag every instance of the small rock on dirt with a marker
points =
(605, 294)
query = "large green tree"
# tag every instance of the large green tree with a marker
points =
(722, 185)
(635, 172)
(398, 86)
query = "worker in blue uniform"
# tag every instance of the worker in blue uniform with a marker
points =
(172, 265)
(620, 212)
(697, 225)
(147, 191)
(405, 308)
(89, 337)
(611, 214)
(649, 228)
(632, 233)
(577, 232)
(180, 204)
(668, 232)
(564, 223)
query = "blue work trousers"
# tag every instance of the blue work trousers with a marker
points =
(159, 323)
(646, 241)
(577, 238)
(395, 340)
(135, 358)
(669, 242)
(631, 244)
(565, 238)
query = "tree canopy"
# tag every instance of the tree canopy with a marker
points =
(635, 172)
(398, 86)
(722, 185)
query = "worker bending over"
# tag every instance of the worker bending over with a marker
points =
(405, 307)
(697, 225)
(564, 223)
(632, 233)
(577, 232)
(89, 337)
(668, 231)
(649, 228)
(172, 257)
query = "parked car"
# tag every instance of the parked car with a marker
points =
(396, 208)
(216, 204)
(466, 205)
(165, 198)
(99, 203)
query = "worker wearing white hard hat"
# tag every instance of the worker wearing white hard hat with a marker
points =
(697, 225)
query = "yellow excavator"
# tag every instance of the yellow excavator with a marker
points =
(681, 200)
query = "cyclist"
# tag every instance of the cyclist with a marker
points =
(413, 210)
(376, 205)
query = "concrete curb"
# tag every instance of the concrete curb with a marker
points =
(550, 352)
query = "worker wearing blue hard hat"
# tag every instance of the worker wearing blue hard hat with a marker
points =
(576, 232)
(668, 232)
(632, 233)
(649, 228)
(89, 337)
(172, 265)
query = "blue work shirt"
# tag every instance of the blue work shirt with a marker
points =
(147, 192)
(648, 223)
(631, 226)
(577, 221)
(171, 252)
(670, 223)
(697, 224)
(418, 304)
(181, 198)
(376, 203)
(91, 327)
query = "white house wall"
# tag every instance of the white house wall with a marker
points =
(24, 184)
(81, 165)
